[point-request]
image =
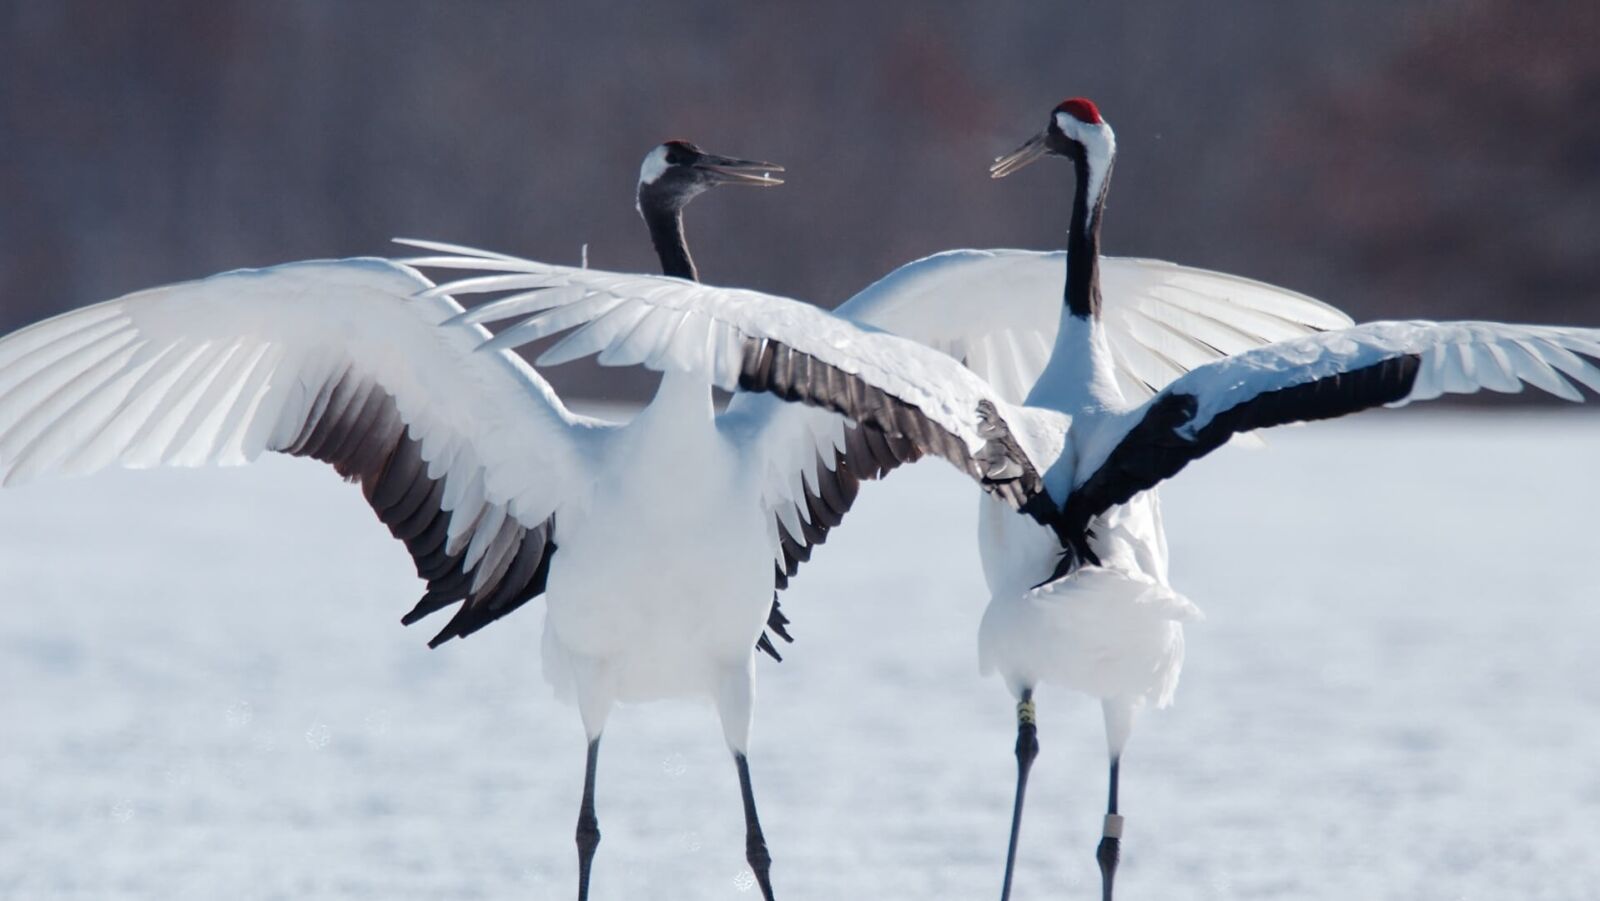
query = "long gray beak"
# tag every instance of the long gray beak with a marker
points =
(1034, 148)
(730, 171)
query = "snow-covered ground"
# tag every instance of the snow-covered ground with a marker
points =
(205, 694)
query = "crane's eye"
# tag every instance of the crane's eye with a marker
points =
(680, 153)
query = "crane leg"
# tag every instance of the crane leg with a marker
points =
(1110, 850)
(755, 844)
(588, 824)
(1027, 750)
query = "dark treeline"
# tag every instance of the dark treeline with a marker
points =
(1433, 158)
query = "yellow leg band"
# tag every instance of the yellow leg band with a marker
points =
(1025, 713)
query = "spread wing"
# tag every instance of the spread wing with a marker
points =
(909, 399)
(463, 455)
(998, 310)
(1320, 377)
(813, 462)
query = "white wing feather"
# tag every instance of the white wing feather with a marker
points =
(217, 371)
(672, 324)
(1452, 358)
(999, 309)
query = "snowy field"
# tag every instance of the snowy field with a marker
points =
(205, 694)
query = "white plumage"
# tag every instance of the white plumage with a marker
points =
(998, 310)
(1067, 448)
(218, 371)
(1081, 600)
(654, 542)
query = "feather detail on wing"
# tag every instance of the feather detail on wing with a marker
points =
(1320, 377)
(463, 455)
(998, 310)
(910, 399)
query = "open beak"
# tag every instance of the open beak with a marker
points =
(729, 171)
(1022, 156)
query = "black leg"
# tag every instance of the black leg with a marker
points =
(1110, 850)
(1027, 749)
(755, 844)
(588, 825)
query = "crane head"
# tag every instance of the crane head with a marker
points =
(1076, 131)
(676, 172)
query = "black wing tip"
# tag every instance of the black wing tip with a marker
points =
(426, 607)
(429, 604)
(467, 619)
(777, 621)
(1075, 554)
(777, 624)
(765, 646)
(1158, 446)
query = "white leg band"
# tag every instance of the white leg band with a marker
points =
(1113, 828)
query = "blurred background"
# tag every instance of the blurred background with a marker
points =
(1361, 729)
(1428, 158)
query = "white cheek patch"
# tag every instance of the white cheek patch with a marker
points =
(1100, 148)
(655, 164)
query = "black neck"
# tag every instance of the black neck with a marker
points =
(666, 233)
(1083, 245)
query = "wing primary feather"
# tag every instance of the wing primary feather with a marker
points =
(1495, 371)
(1570, 364)
(328, 427)
(1170, 433)
(31, 397)
(378, 442)
(471, 252)
(559, 319)
(360, 423)
(58, 396)
(524, 561)
(109, 440)
(1535, 371)
(65, 350)
(254, 387)
(54, 438)
(195, 439)
(487, 284)
(484, 536)
(150, 444)
(416, 498)
(423, 516)
(330, 384)
(523, 303)
(393, 482)
(496, 557)
(46, 339)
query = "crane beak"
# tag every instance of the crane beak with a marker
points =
(1035, 147)
(726, 170)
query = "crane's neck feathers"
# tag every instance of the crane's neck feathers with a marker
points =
(681, 396)
(661, 205)
(1080, 376)
(666, 233)
(1097, 151)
